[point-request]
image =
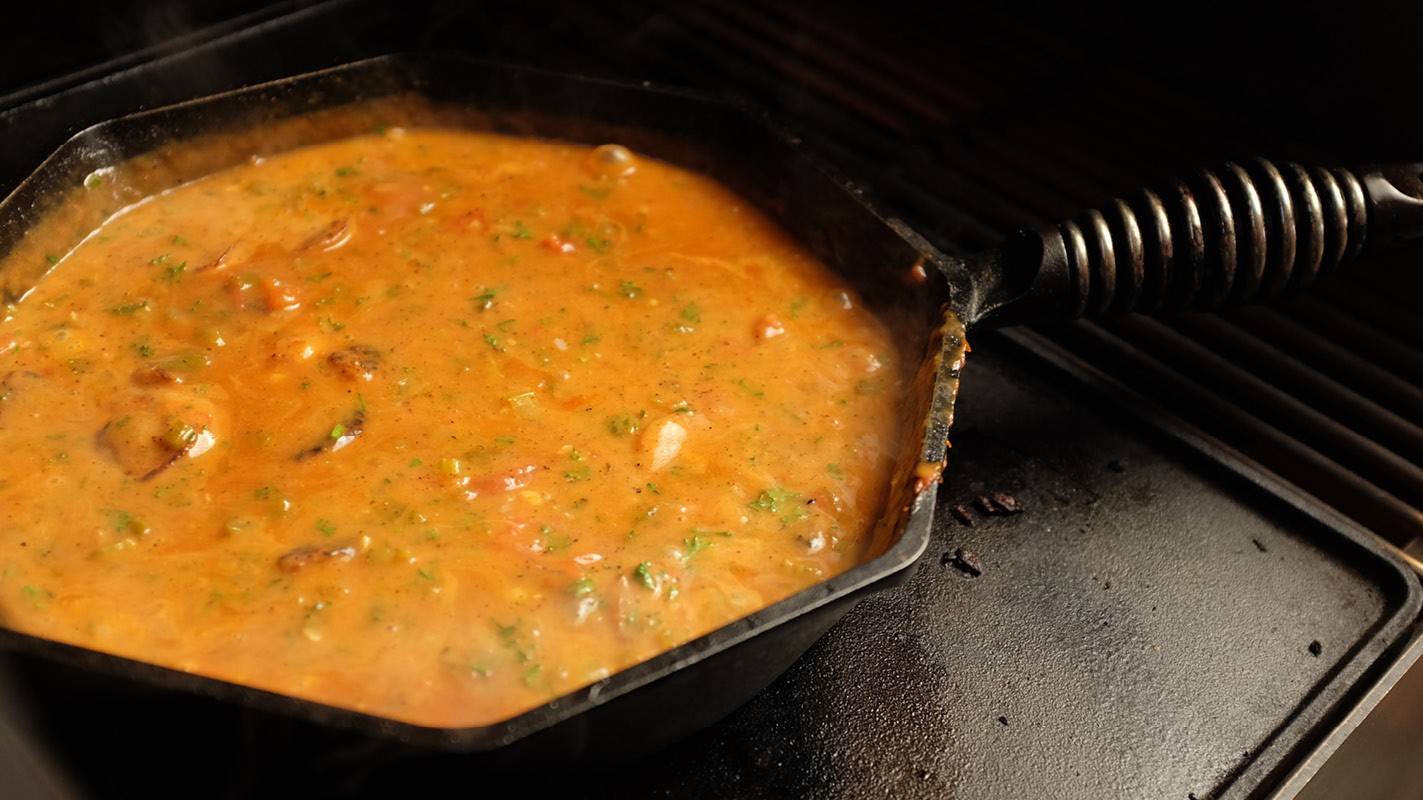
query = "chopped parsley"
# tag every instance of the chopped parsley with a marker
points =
(129, 309)
(643, 574)
(774, 500)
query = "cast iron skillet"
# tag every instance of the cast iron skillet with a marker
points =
(1239, 234)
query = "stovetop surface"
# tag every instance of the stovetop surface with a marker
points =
(1155, 621)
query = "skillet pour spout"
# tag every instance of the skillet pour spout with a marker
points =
(1238, 234)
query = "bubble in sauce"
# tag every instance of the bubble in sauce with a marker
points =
(612, 160)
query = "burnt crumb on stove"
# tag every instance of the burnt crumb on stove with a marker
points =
(964, 560)
(1003, 720)
(961, 514)
(1259, 546)
(1117, 465)
(999, 503)
(1106, 584)
(1315, 648)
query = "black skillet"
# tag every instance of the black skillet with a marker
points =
(1239, 234)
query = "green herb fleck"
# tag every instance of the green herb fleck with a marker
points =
(124, 522)
(599, 245)
(595, 192)
(643, 573)
(493, 341)
(338, 431)
(834, 469)
(699, 541)
(799, 305)
(623, 425)
(553, 540)
(521, 231)
(129, 309)
(691, 313)
(180, 436)
(326, 526)
(774, 499)
(797, 513)
(583, 587)
(485, 299)
(629, 289)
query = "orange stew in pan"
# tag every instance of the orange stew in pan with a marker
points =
(432, 424)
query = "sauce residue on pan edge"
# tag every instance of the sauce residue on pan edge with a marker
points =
(432, 424)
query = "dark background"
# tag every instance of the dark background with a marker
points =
(1342, 77)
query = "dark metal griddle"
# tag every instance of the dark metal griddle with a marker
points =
(1143, 627)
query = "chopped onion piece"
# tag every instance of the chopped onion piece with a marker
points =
(670, 436)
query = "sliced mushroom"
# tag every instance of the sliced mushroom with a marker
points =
(310, 555)
(338, 437)
(330, 237)
(154, 429)
(358, 362)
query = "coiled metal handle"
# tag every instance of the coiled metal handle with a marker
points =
(1238, 234)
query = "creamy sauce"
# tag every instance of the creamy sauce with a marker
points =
(435, 425)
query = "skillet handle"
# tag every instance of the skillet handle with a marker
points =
(1235, 235)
